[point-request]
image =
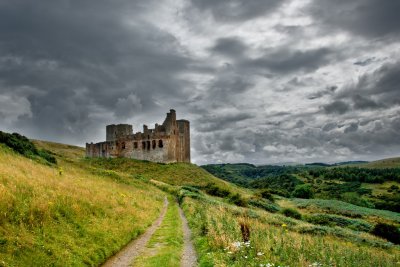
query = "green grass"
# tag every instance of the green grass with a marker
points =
(382, 164)
(219, 239)
(173, 174)
(344, 208)
(166, 245)
(77, 218)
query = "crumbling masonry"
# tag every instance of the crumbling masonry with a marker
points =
(169, 142)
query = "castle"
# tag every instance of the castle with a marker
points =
(169, 142)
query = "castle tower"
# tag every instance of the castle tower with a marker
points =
(114, 131)
(184, 140)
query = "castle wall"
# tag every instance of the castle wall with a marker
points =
(169, 142)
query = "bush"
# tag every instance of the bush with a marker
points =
(25, 147)
(238, 200)
(335, 220)
(387, 231)
(356, 199)
(303, 191)
(262, 204)
(267, 195)
(292, 213)
(214, 190)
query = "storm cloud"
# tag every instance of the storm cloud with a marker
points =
(261, 81)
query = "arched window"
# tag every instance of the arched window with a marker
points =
(135, 145)
(154, 144)
(143, 145)
(148, 145)
(160, 143)
(123, 145)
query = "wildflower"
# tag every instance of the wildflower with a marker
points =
(237, 244)
(260, 253)
(60, 171)
(284, 225)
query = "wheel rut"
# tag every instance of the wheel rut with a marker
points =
(189, 256)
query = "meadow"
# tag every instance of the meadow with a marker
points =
(80, 211)
(64, 215)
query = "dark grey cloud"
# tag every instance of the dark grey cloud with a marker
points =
(368, 18)
(351, 128)
(233, 47)
(210, 123)
(287, 60)
(236, 10)
(260, 81)
(84, 58)
(338, 107)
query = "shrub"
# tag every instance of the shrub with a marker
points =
(356, 199)
(303, 191)
(335, 220)
(214, 190)
(262, 204)
(267, 195)
(238, 200)
(292, 213)
(387, 231)
(25, 147)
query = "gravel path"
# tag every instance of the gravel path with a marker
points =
(125, 257)
(189, 257)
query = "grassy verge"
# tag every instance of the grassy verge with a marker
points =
(231, 236)
(68, 218)
(166, 245)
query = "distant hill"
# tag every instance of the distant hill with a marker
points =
(383, 163)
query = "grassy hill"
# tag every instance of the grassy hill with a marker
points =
(384, 163)
(66, 215)
(80, 211)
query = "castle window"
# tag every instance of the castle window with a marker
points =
(148, 137)
(160, 143)
(154, 144)
(143, 145)
(135, 145)
(123, 145)
(148, 145)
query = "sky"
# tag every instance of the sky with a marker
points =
(261, 81)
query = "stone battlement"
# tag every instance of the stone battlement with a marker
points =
(168, 142)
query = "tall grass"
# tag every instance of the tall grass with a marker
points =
(218, 232)
(68, 218)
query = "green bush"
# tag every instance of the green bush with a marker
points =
(387, 231)
(238, 200)
(335, 220)
(303, 191)
(25, 147)
(262, 204)
(214, 190)
(292, 213)
(356, 199)
(267, 195)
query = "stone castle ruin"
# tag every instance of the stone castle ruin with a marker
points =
(168, 142)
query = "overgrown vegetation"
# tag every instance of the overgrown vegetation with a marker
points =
(75, 219)
(355, 185)
(25, 147)
(226, 235)
(95, 206)
(387, 231)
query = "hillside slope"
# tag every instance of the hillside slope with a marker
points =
(67, 215)
(383, 163)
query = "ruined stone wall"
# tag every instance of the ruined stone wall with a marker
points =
(169, 142)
